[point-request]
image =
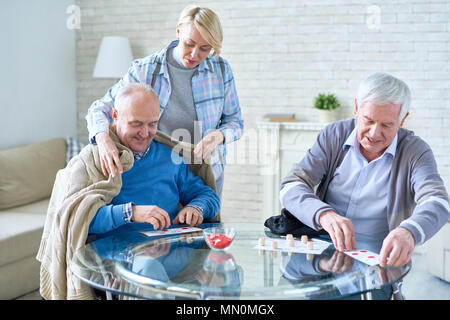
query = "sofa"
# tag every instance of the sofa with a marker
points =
(27, 175)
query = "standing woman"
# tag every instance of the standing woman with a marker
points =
(196, 92)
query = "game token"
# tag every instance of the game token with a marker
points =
(274, 244)
(261, 241)
(314, 246)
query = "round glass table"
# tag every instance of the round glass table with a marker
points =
(130, 264)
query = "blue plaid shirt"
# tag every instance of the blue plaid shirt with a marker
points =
(215, 98)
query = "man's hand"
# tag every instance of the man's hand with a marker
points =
(109, 155)
(397, 248)
(340, 229)
(210, 278)
(338, 263)
(208, 144)
(157, 248)
(189, 215)
(158, 217)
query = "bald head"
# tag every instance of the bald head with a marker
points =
(135, 115)
(134, 91)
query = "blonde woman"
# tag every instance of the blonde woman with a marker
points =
(196, 92)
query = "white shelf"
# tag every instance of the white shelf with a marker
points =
(300, 125)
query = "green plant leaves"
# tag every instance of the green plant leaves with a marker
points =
(326, 102)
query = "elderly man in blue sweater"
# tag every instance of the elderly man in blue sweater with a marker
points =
(158, 179)
(373, 176)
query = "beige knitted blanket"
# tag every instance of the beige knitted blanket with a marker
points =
(79, 191)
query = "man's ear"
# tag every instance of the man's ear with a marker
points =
(403, 120)
(178, 32)
(355, 112)
(115, 114)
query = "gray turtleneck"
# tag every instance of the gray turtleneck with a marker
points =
(179, 116)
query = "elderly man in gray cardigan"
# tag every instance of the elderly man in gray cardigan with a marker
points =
(373, 176)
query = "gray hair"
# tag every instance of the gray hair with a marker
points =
(381, 89)
(129, 89)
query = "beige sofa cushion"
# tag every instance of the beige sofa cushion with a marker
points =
(19, 278)
(20, 235)
(27, 173)
(38, 207)
(21, 231)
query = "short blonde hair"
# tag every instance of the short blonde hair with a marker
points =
(206, 22)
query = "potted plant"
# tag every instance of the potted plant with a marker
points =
(326, 105)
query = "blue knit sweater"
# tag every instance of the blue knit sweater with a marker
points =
(160, 178)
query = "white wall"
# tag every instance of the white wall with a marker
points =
(37, 72)
(283, 53)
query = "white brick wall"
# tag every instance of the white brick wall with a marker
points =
(283, 53)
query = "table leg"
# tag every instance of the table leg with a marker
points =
(366, 295)
(108, 295)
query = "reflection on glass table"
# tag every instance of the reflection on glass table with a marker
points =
(130, 264)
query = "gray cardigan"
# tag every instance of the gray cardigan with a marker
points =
(417, 199)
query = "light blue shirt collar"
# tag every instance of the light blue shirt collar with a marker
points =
(353, 142)
(141, 155)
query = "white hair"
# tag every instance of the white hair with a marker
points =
(129, 88)
(381, 89)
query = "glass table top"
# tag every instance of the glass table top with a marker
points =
(127, 262)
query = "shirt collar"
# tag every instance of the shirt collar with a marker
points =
(141, 155)
(393, 146)
(352, 142)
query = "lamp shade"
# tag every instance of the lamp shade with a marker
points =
(114, 58)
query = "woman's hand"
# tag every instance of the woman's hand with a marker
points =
(208, 144)
(109, 155)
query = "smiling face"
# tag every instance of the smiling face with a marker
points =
(377, 126)
(136, 120)
(193, 47)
